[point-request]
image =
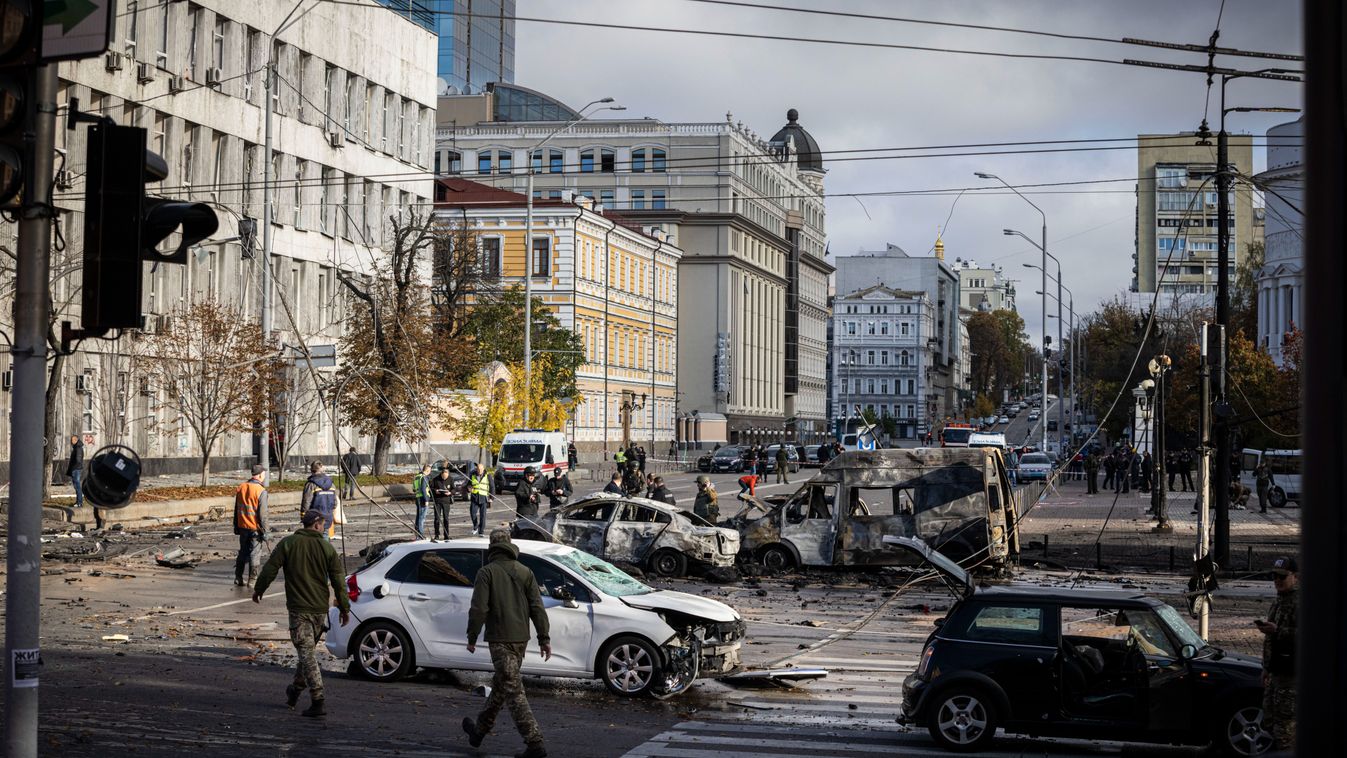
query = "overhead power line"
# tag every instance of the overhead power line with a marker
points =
(835, 42)
(1010, 30)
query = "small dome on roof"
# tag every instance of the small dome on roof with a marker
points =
(807, 152)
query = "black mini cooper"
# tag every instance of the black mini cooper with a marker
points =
(1087, 664)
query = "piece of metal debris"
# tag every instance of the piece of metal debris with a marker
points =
(116, 638)
(774, 676)
(175, 559)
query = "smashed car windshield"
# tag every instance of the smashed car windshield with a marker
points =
(1180, 627)
(610, 579)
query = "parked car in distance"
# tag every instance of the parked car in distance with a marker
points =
(1083, 663)
(636, 530)
(409, 610)
(1003, 420)
(728, 458)
(792, 458)
(810, 457)
(1034, 466)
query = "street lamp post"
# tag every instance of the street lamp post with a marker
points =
(1043, 292)
(1043, 313)
(528, 241)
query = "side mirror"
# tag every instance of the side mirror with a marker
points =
(564, 595)
(1187, 652)
(382, 591)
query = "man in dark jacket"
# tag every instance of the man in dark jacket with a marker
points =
(505, 598)
(250, 523)
(1186, 461)
(526, 496)
(572, 456)
(558, 488)
(782, 464)
(319, 495)
(662, 493)
(442, 494)
(350, 469)
(311, 566)
(74, 468)
(615, 485)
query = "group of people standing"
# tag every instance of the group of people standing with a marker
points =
(1124, 470)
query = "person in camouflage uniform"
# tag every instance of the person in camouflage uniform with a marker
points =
(311, 566)
(1279, 657)
(505, 598)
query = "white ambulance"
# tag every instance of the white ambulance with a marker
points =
(524, 448)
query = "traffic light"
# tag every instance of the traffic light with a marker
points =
(20, 43)
(122, 227)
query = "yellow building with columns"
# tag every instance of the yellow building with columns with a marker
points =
(613, 283)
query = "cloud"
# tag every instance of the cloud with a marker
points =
(855, 97)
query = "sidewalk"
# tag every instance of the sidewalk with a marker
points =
(1101, 531)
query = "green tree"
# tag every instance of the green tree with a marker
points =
(998, 345)
(495, 326)
(1244, 292)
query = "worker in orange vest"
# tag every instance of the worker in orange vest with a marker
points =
(250, 524)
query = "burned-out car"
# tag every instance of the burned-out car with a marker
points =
(639, 531)
(957, 499)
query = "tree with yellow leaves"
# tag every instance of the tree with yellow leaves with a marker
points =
(496, 405)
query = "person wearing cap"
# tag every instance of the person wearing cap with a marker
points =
(527, 495)
(1279, 656)
(311, 567)
(505, 598)
(250, 523)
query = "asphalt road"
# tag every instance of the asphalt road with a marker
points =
(203, 670)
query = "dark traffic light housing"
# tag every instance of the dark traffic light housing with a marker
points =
(20, 46)
(123, 228)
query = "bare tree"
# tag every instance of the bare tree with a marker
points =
(296, 410)
(216, 370)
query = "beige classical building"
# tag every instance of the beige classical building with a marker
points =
(1176, 215)
(747, 212)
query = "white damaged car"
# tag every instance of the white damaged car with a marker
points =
(409, 610)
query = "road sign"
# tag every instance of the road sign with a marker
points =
(74, 29)
(323, 356)
(865, 442)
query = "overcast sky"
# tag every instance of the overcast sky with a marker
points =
(856, 98)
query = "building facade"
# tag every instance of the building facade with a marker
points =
(354, 114)
(943, 375)
(615, 284)
(1176, 215)
(747, 212)
(879, 358)
(1281, 280)
(983, 288)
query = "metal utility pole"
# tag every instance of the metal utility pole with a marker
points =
(1159, 367)
(1222, 432)
(23, 599)
(1204, 471)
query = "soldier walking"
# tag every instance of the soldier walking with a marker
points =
(311, 566)
(782, 464)
(505, 598)
(1110, 465)
(1263, 481)
(1186, 461)
(1279, 656)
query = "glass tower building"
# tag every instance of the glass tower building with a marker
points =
(476, 40)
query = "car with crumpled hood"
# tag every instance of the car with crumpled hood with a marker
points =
(409, 610)
(659, 537)
(959, 499)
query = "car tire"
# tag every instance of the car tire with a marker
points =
(776, 559)
(668, 563)
(629, 666)
(963, 719)
(1276, 497)
(382, 652)
(1240, 731)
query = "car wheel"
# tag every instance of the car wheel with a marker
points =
(963, 720)
(777, 559)
(627, 665)
(1242, 732)
(383, 653)
(1276, 497)
(668, 563)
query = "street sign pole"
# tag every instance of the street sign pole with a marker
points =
(23, 598)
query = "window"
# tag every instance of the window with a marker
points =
(161, 55)
(869, 357)
(193, 21)
(903, 358)
(325, 178)
(851, 328)
(1170, 177)
(1015, 625)
(452, 568)
(484, 162)
(536, 161)
(638, 161)
(1105, 629)
(606, 198)
(883, 357)
(884, 328)
(869, 386)
(455, 161)
(884, 389)
(607, 161)
(542, 257)
(300, 167)
(131, 24)
(556, 161)
(641, 514)
(638, 199)
(601, 511)
(490, 256)
(657, 160)
(869, 327)
(554, 194)
(504, 161)
(218, 43)
(657, 199)
(587, 161)
(902, 328)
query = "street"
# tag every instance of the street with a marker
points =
(203, 670)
